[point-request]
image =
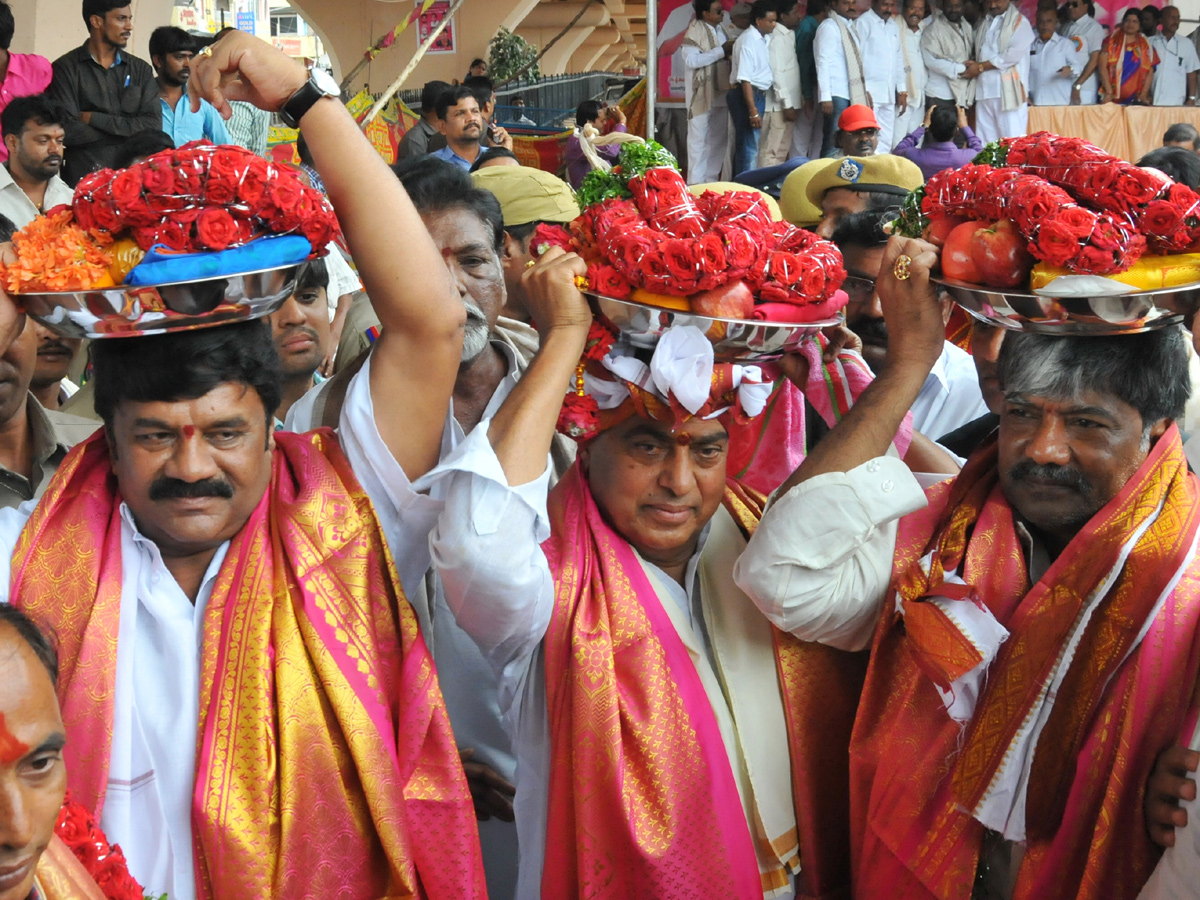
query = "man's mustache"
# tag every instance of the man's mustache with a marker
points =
(173, 489)
(871, 331)
(1062, 476)
(54, 347)
(300, 329)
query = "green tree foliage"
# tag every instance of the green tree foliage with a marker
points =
(508, 54)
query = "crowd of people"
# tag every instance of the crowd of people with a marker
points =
(766, 83)
(330, 604)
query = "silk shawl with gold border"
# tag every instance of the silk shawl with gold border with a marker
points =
(915, 773)
(325, 765)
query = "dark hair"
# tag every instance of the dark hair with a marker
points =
(186, 365)
(451, 97)
(489, 154)
(816, 7)
(139, 146)
(482, 87)
(760, 8)
(312, 274)
(1132, 11)
(701, 6)
(782, 7)
(7, 228)
(587, 111)
(1148, 371)
(7, 25)
(29, 632)
(1182, 131)
(430, 94)
(942, 123)
(476, 62)
(434, 185)
(862, 229)
(100, 8)
(520, 232)
(1181, 164)
(21, 110)
(168, 39)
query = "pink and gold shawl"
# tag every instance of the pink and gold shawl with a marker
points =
(60, 876)
(326, 765)
(915, 773)
(643, 801)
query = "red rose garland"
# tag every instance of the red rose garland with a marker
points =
(1167, 213)
(106, 864)
(1059, 231)
(202, 197)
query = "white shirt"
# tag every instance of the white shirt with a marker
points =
(694, 58)
(833, 75)
(950, 397)
(941, 70)
(1046, 86)
(883, 64)
(16, 205)
(1017, 55)
(1176, 59)
(916, 62)
(147, 809)
(750, 60)
(1092, 34)
(785, 70)
(487, 543)
(342, 279)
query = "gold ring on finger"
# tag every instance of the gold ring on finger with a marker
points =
(531, 263)
(900, 269)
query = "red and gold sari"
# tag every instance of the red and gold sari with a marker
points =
(325, 764)
(917, 775)
(1130, 64)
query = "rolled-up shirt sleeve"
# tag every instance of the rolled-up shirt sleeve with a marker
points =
(486, 547)
(820, 562)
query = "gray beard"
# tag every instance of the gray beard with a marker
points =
(476, 333)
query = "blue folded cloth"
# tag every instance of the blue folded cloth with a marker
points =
(162, 265)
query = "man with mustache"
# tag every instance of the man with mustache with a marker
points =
(1032, 623)
(30, 182)
(55, 354)
(241, 667)
(467, 225)
(171, 52)
(461, 124)
(950, 397)
(106, 93)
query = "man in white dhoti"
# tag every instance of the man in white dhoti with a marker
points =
(706, 52)
(1002, 43)
(839, 62)
(1054, 65)
(879, 37)
(912, 27)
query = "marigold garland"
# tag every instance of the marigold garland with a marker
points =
(55, 254)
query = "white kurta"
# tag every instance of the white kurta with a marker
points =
(833, 77)
(147, 809)
(487, 542)
(915, 114)
(1046, 86)
(1176, 59)
(883, 70)
(708, 132)
(1092, 34)
(993, 122)
(950, 397)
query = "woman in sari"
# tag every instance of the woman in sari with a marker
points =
(1127, 63)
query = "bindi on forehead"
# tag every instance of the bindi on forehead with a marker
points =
(11, 749)
(683, 438)
(189, 431)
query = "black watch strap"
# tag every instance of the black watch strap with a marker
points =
(299, 103)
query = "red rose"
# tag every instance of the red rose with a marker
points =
(105, 214)
(655, 272)
(139, 212)
(1056, 243)
(1077, 220)
(783, 267)
(1094, 261)
(317, 230)
(286, 194)
(741, 249)
(1161, 218)
(126, 187)
(547, 235)
(579, 417)
(771, 292)
(683, 262)
(158, 176)
(216, 229)
(113, 878)
(189, 175)
(84, 214)
(606, 280)
(712, 253)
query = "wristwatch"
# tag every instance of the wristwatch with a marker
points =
(320, 84)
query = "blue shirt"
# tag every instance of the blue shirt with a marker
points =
(450, 156)
(183, 125)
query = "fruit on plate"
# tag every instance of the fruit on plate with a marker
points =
(939, 228)
(1147, 274)
(1000, 257)
(958, 263)
(729, 301)
(665, 301)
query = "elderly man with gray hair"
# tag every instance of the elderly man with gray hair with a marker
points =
(1031, 622)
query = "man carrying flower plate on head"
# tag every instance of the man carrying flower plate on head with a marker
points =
(669, 741)
(249, 705)
(1030, 622)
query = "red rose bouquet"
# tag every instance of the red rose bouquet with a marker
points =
(1058, 230)
(77, 828)
(203, 197)
(1166, 213)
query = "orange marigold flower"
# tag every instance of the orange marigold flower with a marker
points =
(55, 254)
